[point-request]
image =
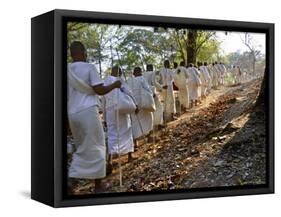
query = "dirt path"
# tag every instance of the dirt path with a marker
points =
(220, 142)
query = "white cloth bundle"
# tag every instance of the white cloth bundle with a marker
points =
(119, 99)
(125, 104)
(119, 128)
(180, 78)
(142, 123)
(147, 101)
(145, 98)
(194, 76)
(151, 79)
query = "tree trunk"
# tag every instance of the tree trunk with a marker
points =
(111, 54)
(181, 47)
(254, 65)
(261, 97)
(191, 47)
(100, 67)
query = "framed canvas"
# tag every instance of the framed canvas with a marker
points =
(134, 108)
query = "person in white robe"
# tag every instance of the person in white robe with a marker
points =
(151, 79)
(223, 72)
(89, 158)
(176, 89)
(238, 75)
(193, 83)
(207, 79)
(244, 75)
(142, 122)
(166, 80)
(181, 81)
(214, 75)
(120, 135)
(219, 72)
(196, 68)
(233, 72)
(204, 80)
(208, 75)
(199, 74)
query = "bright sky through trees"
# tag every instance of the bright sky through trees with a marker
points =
(232, 42)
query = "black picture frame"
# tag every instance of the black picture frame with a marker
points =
(48, 47)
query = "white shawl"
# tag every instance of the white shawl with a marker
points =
(79, 84)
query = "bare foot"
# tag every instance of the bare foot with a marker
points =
(161, 126)
(150, 139)
(100, 187)
(72, 185)
(109, 169)
(130, 157)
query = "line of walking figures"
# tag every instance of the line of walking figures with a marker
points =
(108, 118)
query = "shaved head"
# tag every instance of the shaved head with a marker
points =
(78, 51)
(149, 67)
(166, 64)
(137, 71)
(116, 71)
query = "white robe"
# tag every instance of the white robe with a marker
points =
(142, 123)
(193, 83)
(219, 72)
(89, 158)
(233, 74)
(223, 72)
(154, 85)
(214, 75)
(181, 80)
(205, 79)
(208, 74)
(88, 161)
(120, 137)
(203, 86)
(199, 75)
(167, 79)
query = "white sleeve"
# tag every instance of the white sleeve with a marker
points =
(161, 78)
(156, 83)
(94, 77)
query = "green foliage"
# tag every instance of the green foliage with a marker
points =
(131, 46)
(209, 51)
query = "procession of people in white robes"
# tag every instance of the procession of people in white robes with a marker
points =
(150, 96)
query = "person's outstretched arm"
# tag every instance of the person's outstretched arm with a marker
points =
(101, 89)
